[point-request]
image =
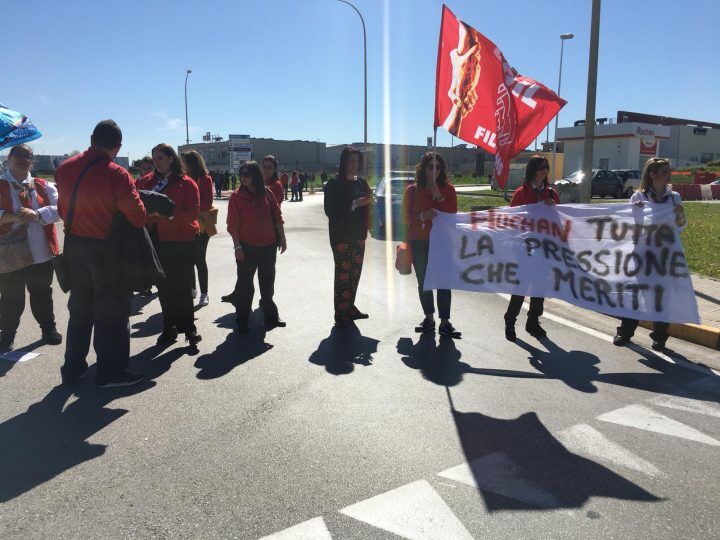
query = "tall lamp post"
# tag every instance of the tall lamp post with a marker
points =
(563, 37)
(187, 129)
(364, 60)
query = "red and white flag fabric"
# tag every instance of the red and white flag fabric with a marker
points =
(480, 99)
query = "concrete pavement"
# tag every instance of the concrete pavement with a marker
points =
(370, 433)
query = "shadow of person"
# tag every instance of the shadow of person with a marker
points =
(49, 438)
(236, 349)
(439, 362)
(342, 349)
(577, 369)
(6, 365)
(519, 464)
(151, 326)
(139, 302)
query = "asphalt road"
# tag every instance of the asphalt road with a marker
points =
(366, 433)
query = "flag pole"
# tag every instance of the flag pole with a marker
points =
(434, 150)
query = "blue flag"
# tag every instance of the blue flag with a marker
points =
(15, 128)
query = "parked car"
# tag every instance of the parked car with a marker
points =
(393, 187)
(631, 180)
(603, 183)
(715, 183)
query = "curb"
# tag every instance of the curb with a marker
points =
(700, 334)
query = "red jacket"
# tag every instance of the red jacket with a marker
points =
(249, 220)
(277, 188)
(183, 191)
(43, 199)
(284, 179)
(106, 189)
(527, 194)
(418, 199)
(205, 186)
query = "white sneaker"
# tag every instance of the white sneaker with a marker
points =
(193, 291)
(204, 300)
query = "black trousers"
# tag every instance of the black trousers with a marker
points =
(201, 263)
(96, 303)
(175, 291)
(260, 259)
(37, 279)
(515, 305)
(628, 326)
(420, 253)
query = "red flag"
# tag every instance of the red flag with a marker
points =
(482, 100)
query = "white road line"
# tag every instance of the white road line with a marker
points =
(590, 443)
(499, 474)
(642, 417)
(414, 511)
(608, 338)
(313, 529)
(685, 404)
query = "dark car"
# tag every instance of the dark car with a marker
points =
(603, 183)
(631, 180)
(393, 187)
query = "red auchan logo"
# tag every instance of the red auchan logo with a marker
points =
(645, 132)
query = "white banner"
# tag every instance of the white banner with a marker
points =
(618, 259)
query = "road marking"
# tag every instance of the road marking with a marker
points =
(313, 529)
(499, 474)
(641, 417)
(685, 404)
(609, 339)
(590, 443)
(414, 511)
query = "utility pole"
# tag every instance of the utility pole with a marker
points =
(585, 188)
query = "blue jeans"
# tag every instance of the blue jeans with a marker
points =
(420, 251)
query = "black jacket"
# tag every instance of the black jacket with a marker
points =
(137, 265)
(344, 222)
(156, 202)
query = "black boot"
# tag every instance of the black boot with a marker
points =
(7, 342)
(51, 336)
(533, 328)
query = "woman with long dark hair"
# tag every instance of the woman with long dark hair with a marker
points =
(653, 189)
(348, 199)
(535, 189)
(431, 192)
(255, 223)
(176, 243)
(195, 166)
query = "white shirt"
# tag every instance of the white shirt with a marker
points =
(672, 197)
(37, 241)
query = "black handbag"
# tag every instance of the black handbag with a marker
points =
(60, 265)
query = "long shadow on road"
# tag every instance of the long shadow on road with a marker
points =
(235, 350)
(342, 349)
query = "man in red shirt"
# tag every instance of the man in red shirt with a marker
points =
(92, 189)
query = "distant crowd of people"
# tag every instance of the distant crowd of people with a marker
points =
(171, 205)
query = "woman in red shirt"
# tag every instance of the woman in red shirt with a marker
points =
(429, 194)
(255, 223)
(269, 167)
(195, 166)
(535, 189)
(176, 243)
(294, 184)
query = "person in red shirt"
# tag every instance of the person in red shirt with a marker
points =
(100, 189)
(534, 190)
(195, 166)
(269, 170)
(176, 243)
(294, 186)
(285, 181)
(146, 167)
(255, 223)
(431, 192)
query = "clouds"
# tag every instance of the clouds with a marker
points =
(44, 99)
(169, 124)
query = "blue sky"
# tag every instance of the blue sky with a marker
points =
(292, 69)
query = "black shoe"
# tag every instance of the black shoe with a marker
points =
(51, 336)
(169, 335)
(242, 326)
(230, 298)
(658, 345)
(448, 330)
(74, 375)
(510, 334)
(277, 323)
(620, 341)
(145, 294)
(7, 342)
(535, 330)
(123, 379)
(193, 338)
(357, 315)
(427, 325)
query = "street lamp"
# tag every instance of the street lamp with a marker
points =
(187, 129)
(364, 59)
(563, 37)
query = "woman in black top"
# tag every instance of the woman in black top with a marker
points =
(348, 199)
